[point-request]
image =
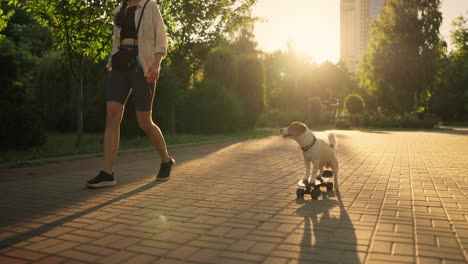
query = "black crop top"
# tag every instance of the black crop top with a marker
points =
(128, 28)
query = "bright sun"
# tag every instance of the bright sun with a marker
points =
(310, 25)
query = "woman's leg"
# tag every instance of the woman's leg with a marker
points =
(114, 115)
(154, 133)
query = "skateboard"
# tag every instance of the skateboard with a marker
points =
(314, 188)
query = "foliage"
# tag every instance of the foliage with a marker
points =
(210, 108)
(314, 113)
(450, 97)
(405, 121)
(52, 91)
(5, 15)
(343, 124)
(222, 65)
(291, 80)
(403, 55)
(82, 29)
(459, 34)
(354, 104)
(21, 120)
(251, 87)
(275, 118)
(26, 32)
(198, 26)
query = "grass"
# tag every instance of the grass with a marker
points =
(61, 145)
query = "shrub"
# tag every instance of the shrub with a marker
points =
(54, 93)
(278, 118)
(404, 121)
(314, 113)
(251, 87)
(354, 104)
(22, 124)
(210, 108)
(343, 124)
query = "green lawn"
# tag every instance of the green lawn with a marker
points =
(60, 145)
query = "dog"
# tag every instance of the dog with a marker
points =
(316, 151)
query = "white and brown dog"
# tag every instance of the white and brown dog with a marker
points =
(316, 151)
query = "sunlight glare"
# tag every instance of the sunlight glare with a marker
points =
(310, 25)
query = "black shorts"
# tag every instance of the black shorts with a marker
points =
(121, 83)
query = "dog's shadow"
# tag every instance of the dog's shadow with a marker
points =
(328, 231)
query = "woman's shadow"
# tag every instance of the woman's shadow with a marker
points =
(329, 234)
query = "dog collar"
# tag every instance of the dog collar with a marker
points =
(307, 147)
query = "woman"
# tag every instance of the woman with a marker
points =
(139, 45)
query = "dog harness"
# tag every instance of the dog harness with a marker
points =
(307, 147)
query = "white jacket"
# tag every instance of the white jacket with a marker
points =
(152, 36)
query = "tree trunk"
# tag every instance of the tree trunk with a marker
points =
(79, 108)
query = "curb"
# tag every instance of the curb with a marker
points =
(40, 162)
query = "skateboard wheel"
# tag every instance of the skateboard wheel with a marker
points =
(300, 193)
(315, 194)
(329, 186)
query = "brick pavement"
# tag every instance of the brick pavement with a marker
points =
(403, 200)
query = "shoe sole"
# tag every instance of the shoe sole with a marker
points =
(167, 178)
(102, 184)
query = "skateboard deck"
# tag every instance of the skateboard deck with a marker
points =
(314, 188)
(317, 182)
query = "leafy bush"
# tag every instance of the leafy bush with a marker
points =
(343, 124)
(354, 104)
(314, 113)
(404, 121)
(222, 65)
(277, 118)
(22, 124)
(54, 93)
(210, 108)
(251, 87)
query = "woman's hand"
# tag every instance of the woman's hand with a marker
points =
(153, 73)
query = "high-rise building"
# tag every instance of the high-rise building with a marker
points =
(355, 17)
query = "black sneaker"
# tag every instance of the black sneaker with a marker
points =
(103, 179)
(165, 170)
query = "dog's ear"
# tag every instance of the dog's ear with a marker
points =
(297, 128)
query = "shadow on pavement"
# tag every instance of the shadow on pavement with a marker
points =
(24, 200)
(47, 227)
(327, 237)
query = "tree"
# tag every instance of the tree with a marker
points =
(222, 65)
(195, 28)
(4, 17)
(22, 124)
(198, 26)
(354, 104)
(459, 34)
(82, 28)
(251, 87)
(450, 97)
(403, 55)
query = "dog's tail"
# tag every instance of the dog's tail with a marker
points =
(332, 141)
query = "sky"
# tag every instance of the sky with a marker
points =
(313, 26)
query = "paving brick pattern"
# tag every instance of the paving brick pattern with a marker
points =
(404, 199)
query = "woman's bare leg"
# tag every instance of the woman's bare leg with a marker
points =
(114, 115)
(145, 122)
